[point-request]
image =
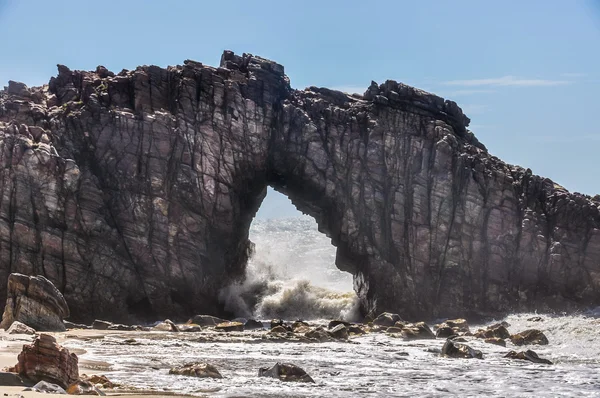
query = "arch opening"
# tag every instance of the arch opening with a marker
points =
(291, 272)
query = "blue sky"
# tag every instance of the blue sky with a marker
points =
(526, 72)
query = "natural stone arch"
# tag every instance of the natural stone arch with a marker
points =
(134, 194)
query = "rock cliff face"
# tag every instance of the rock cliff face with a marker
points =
(134, 192)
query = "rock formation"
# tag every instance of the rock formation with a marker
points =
(36, 302)
(134, 192)
(45, 360)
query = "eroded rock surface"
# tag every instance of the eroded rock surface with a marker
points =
(34, 301)
(134, 192)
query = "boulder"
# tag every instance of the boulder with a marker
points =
(206, 320)
(101, 325)
(253, 324)
(47, 388)
(319, 334)
(418, 330)
(202, 370)
(276, 322)
(356, 330)
(45, 360)
(445, 332)
(527, 356)
(36, 302)
(527, 337)
(498, 330)
(286, 372)
(336, 322)
(20, 328)
(453, 349)
(99, 381)
(278, 330)
(230, 327)
(386, 319)
(451, 327)
(339, 332)
(166, 326)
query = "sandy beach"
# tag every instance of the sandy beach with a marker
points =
(11, 346)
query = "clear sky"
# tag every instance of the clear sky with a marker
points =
(526, 72)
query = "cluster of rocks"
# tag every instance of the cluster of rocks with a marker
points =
(45, 366)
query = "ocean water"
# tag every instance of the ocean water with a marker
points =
(293, 276)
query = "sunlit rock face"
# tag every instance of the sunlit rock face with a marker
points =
(134, 192)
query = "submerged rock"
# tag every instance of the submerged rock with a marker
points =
(531, 336)
(286, 372)
(46, 360)
(451, 327)
(202, 370)
(166, 326)
(496, 341)
(36, 302)
(20, 328)
(453, 349)
(319, 334)
(418, 330)
(498, 330)
(528, 355)
(278, 330)
(253, 324)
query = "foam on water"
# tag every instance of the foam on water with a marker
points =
(374, 364)
(292, 275)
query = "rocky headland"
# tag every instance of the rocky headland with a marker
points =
(133, 193)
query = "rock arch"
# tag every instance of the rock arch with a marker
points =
(134, 193)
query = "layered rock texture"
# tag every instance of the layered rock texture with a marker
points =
(134, 192)
(34, 301)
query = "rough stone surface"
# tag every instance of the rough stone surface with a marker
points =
(20, 328)
(531, 336)
(34, 301)
(134, 193)
(202, 370)
(286, 372)
(453, 349)
(528, 355)
(45, 360)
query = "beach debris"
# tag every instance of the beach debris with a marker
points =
(530, 336)
(230, 327)
(202, 370)
(205, 320)
(20, 328)
(528, 355)
(286, 372)
(36, 302)
(46, 360)
(387, 319)
(453, 349)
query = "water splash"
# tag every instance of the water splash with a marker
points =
(291, 275)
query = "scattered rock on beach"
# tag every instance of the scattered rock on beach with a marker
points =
(417, 331)
(451, 327)
(46, 360)
(48, 388)
(339, 332)
(230, 327)
(20, 328)
(276, 322)
(453, 349)
(190, 328)
(496, 341)
(497, 330)
(528, 355)
(286, 372)
(386, 319)
(36, 302)
(166, 326)
(71, 325)
(278, 330)
(206, 320)
(99, 380)
(319, 334)
(202, 370)
(83, 387)
(531, 336)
